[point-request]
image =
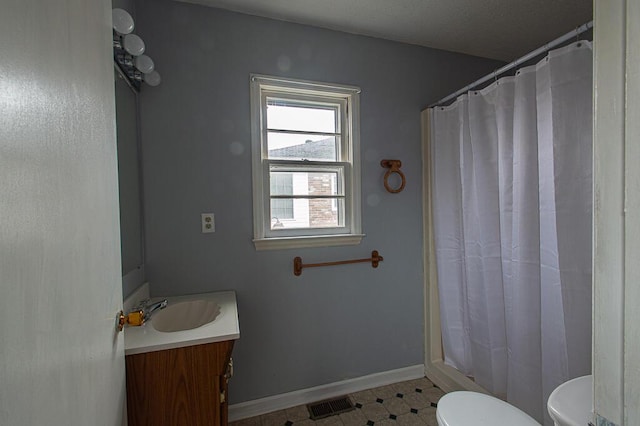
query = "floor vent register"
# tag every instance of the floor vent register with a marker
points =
(330, 407)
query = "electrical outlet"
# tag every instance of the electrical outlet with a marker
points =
(208, 223)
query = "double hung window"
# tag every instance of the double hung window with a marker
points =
(306, 173)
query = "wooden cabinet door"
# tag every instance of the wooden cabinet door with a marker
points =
(177, 387)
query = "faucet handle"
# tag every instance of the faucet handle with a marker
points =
(140, 305)
(150, 308)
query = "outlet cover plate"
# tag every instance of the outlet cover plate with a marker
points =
(208, 223)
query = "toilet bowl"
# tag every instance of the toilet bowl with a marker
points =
(465, 408)
(571, 403)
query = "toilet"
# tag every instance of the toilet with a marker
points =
(570, 404)
(465, 408)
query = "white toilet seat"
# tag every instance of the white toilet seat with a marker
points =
(477, 409)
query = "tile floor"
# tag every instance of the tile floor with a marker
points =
(410, 403)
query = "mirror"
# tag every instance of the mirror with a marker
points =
(129, 181)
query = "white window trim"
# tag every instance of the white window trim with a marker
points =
(261, 239)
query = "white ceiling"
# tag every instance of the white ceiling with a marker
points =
(498, 29)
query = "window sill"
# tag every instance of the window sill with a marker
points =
(307, 242)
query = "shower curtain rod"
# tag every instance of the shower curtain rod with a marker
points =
(582, 28)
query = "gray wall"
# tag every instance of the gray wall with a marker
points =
(329, 324)
(129, 6)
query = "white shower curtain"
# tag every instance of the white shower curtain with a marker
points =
(512, 206)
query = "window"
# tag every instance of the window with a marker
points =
(306, 172)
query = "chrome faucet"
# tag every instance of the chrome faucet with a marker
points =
(141, 313)
(149, 308)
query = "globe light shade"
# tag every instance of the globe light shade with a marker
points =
(152, 79)
(122, 21)
(133, 44)
(144, 64)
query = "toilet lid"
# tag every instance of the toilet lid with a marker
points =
(472, 408)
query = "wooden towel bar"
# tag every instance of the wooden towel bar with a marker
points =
(298, 265)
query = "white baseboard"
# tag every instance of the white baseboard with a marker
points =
(256, 407)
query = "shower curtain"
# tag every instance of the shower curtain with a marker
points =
(512, 205)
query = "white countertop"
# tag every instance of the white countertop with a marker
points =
(146, 338)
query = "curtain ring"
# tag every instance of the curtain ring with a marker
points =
(394, 167)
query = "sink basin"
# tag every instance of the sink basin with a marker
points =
(186, 315)
(188, 320)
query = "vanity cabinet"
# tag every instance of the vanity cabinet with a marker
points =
(182, 386)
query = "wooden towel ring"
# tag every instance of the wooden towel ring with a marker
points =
(394, 167)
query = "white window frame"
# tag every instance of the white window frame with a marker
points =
(348, 96)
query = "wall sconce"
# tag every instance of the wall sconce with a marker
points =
(122, 21)
(128, 52)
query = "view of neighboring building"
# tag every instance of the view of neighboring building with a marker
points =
(304, 212)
